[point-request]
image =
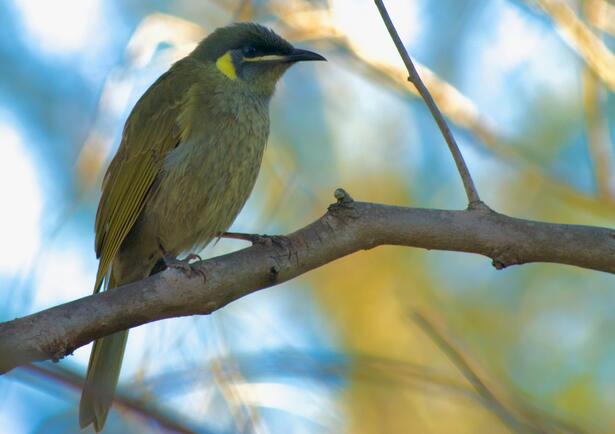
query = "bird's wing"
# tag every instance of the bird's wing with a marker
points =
(150, 133)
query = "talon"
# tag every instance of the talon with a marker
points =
(182, 264)
(185, 265)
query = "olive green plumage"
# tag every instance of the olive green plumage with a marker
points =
(189, 156)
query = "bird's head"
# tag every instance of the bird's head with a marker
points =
(251, 54)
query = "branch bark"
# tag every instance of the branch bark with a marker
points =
(347, 227)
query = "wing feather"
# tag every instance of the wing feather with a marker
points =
(150, 133)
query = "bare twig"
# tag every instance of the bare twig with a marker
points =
(347, 227)
(518, 417)
(456, 357)
(138, 407)
(414, 78)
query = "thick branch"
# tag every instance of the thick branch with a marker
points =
(346, 228)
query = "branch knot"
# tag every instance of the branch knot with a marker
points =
(344, 204)
(504, 257)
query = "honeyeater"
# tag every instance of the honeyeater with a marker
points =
(189, 155)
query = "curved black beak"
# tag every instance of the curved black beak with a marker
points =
(300, 55)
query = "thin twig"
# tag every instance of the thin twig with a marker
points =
(523, 419)
(414, 78)
(455, 356)
(73, 380)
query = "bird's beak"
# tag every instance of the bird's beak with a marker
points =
(300, 55)
(297, 55)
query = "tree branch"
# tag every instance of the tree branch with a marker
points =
(414, 78)
(347, 227)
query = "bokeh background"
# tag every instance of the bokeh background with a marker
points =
(386, 341)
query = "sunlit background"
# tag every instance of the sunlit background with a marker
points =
(392, 340)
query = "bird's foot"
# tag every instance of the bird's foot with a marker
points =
(185, 265)
(264, 240)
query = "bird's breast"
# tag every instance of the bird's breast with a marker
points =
(207, 179)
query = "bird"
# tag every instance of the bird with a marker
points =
(189, 156)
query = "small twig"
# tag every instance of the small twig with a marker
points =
(455, 356)
(523, 419)
(414, 78)
(146, 411)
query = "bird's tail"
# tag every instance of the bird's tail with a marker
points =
(101, 380)
(105, 364)
(102, 376)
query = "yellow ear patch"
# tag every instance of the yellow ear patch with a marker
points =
(225, 65)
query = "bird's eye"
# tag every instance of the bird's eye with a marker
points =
(249, 51)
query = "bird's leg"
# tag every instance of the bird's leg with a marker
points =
(252, 238)
(184, 265)
(266, 240)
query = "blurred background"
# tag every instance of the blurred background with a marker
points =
(385, 341)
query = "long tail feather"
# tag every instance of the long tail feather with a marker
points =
(101, 381)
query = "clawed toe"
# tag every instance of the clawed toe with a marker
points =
(185, 265)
